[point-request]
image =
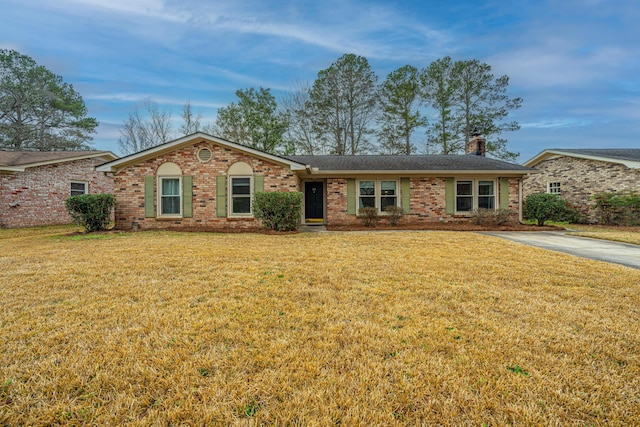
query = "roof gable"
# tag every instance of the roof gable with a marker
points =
(159, 150)
(630, 157)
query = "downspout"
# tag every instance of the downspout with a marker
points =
(520, 200)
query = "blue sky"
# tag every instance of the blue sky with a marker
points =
(575, 63)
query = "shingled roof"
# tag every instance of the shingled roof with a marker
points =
(632, 154)
(430, 163)
(629, 157)
(18, 160)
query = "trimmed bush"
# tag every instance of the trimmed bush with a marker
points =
(278, 210)
(544, 207)
(91, 211)
(573, 214)
(484, 216)
(618, 208)
(369, 216)
(395, 214)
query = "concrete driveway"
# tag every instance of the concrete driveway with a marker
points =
(601, 250)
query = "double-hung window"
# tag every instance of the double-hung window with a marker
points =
(377, 194)
(388, 194)
(78, 188)
(367, 194)
(475, 194)
(464, 196)
(170, 196)
(554, 188)
(240, 195)
(486, 195)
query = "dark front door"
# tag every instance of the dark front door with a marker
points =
(313, 201)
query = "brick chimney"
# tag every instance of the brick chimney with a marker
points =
(477, 145)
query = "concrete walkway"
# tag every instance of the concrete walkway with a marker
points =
(601, 250)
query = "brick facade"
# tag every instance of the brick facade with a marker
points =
(135, 209)
(580, 179)
(36, 196)
(130, 195)
(427, 201)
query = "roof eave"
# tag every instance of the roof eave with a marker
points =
(11, 169)
(435, 172)
(546, 154)
(107, 154)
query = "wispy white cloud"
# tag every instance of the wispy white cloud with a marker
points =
(555, 124)
(140, 8)
(139, 98)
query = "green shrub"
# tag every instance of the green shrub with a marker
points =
(278, 210)
(544, 207)
(394, 214)
(91, 211)
(617, 208)
(573, 214)
(369, 216)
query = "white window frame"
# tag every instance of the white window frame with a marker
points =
(161, 214)
(475, 187)
(84, 183)
(377, 196)
(554, 187)
(231, 197)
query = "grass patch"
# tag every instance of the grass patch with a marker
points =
(617, 234)
(51, 230)
(314, 329)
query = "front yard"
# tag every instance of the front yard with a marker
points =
(380, 328)
(617, 234)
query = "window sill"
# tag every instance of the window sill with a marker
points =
(240, 218)
(168, 218)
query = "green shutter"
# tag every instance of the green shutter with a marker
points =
(221, 196)
(449, 196)
(504, 193)
(187, 196)
(149, 200)
(351, 196)
(258, 183)
(405, 185)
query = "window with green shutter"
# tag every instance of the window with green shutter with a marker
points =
(221, 196)
(504, 193)
(187, 196)
(351, 196)
(405, 188)
(149, 199)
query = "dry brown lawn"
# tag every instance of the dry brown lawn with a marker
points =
(617, 234)
(313, 329)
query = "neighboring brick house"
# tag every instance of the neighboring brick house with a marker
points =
(201, 181)
(578, 174)
(35, 184)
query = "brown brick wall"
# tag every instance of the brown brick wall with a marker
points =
(129, 188)
(427, 201)
(40, 192)
(582, 178)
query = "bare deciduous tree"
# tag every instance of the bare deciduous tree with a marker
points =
(191, 121)
(146, 129)
(299, 112)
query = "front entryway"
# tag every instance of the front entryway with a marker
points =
(314, 202)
